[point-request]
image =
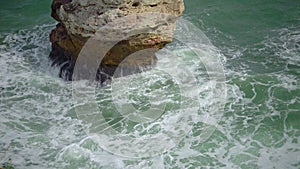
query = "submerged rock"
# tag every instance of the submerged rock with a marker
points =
(134, 25)
(7, 165)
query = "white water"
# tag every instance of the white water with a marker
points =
(40, 129)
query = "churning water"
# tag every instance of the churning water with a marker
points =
(259, 47)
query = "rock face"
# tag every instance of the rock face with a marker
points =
(80, 20)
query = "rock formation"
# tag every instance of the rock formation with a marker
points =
(79, 20)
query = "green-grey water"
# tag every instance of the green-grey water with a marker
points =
(259, 42)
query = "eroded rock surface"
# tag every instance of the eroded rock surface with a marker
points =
(140, 24)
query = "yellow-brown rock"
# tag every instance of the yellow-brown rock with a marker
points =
(79, 20)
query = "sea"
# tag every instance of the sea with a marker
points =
(230, 98)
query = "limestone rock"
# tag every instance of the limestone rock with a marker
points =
(150, 22)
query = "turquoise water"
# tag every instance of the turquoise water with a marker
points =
(259, 42)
